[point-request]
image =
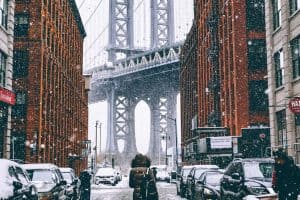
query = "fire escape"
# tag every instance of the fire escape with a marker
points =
(214, 118)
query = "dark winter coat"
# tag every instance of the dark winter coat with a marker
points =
(136, 181)
(85, 186)
(287, 180)
(140, 165)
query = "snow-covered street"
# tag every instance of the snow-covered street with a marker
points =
(122, 191)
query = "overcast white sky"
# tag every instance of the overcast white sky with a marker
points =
(94, 14)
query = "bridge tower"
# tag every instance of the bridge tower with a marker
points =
(121, 34)
(121, 105)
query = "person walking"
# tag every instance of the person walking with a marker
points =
(85, 186)
(141, 178)
(286, 176)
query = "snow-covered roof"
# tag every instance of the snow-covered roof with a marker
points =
(39, 166)
(66, 169)
(206, 166)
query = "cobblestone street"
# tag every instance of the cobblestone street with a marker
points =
(122, 191)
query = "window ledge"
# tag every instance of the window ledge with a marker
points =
(279, 88)
(296, 80)
(276, 30)
(294, 14)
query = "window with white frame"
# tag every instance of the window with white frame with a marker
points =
(281, 128)
(3, 12)
(2, 69)
(279, 71)
(276, 14)
(295, 47)
(294, 6)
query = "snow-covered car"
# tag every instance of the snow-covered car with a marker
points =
(182, 179)
(249, 176)
(48, 180)
(73, 183)
(14, 182)
(106, 175)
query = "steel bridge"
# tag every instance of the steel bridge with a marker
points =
(151, 76)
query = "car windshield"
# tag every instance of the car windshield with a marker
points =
(42, 175)
(68, 177)
(258, 170)
(213, 178)
(199, 172)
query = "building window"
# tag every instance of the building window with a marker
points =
(281, 128)
(17, 147)
(258, 100)
(297, 123)
(294, 6)
(255, 15)
(295, 47)
(21, 25)
(279, 71)
(19, 109)
(20, 63)
(3, 13)
(257, 54)
(2, 69)
(276, 14)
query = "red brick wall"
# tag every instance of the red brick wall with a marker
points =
(57, 102)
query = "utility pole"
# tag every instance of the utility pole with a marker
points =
(96, 145)
(100, 136)
(176, 143)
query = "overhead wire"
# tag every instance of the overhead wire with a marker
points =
(81, 4)
(87, 21)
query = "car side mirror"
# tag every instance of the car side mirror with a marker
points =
(190, 176)
(200, 182)
(75, 181)
(236, 176)
(63, 182)
(17, 185)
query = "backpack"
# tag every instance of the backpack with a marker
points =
(148, 187)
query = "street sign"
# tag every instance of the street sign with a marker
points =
(294, 105)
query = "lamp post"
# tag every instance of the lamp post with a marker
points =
(100, 136)
(96, 143)
(176, 143)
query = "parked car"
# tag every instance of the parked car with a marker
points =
(14, 182)
(48, 180)
(106, 175)
(161, 173)
(245, 177)
(208, 185)
(181, 180)
(73, 183)
(194, 176)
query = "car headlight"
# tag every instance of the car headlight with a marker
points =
(207, 191)
(256, 188)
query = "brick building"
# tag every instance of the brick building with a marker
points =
(283, 44)
(231, 66)
(7, 96)
(188, 83)
(51, 113)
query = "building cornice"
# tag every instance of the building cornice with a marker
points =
(77, 17)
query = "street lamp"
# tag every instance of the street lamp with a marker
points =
(96, 145)
(176, 156)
